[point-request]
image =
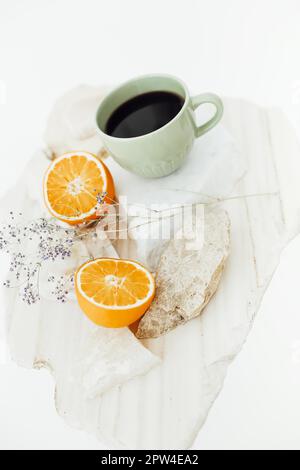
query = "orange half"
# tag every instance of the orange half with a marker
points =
(73, 186)
(114, 292)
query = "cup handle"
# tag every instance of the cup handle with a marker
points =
(207, 98)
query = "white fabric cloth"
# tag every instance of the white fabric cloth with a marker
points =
(145, 412)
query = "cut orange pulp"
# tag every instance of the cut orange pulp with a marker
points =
(73, 186)
(114, 292)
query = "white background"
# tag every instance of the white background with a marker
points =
(241, 48)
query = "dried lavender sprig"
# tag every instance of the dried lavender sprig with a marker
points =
(54, 242)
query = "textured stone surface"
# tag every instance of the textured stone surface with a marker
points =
(187, 278)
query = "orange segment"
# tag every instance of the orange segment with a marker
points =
(114, 292)
(72, 184)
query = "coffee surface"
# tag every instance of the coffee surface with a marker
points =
(143, 114)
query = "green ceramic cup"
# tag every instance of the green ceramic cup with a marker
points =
(161, 152)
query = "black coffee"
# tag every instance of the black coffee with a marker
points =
(143, 114)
